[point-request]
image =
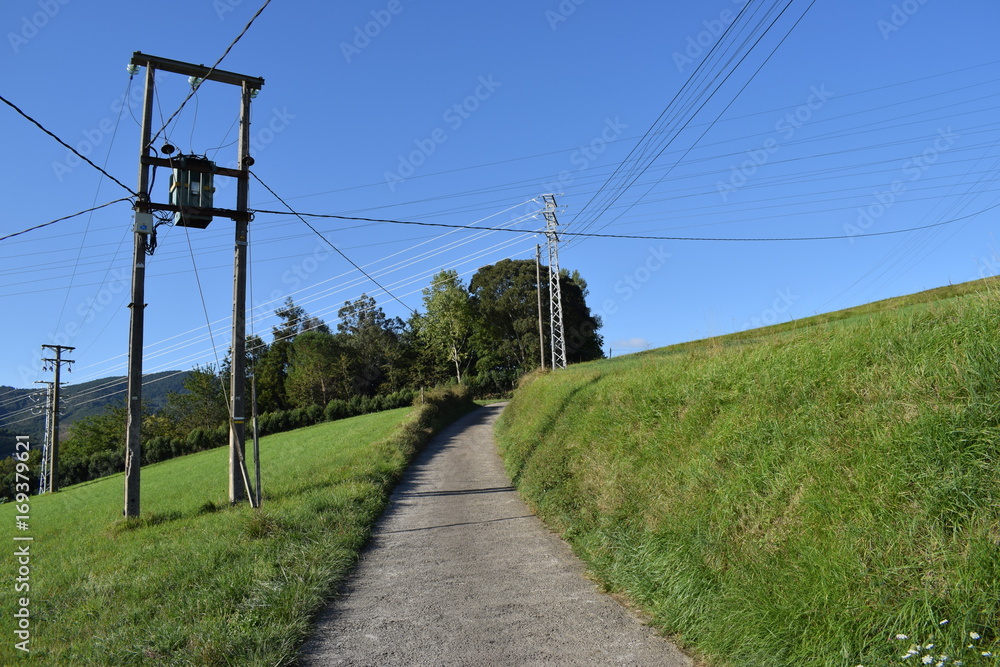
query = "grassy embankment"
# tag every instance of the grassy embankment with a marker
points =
(194, 581)
(795, 496)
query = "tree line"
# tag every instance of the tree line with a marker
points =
(483, 334)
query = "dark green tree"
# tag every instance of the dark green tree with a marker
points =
(202, 404)
(272, 366)
(316, 369)
(505, 299)
(373, 340)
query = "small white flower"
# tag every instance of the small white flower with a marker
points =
(986, 654)
(944, 622)
(901, 637)
(974, 635)
(927, 660)
(929, 646)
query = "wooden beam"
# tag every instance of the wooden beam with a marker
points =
(200, 71)
(221, 171)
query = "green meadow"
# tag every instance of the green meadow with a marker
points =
(193, 581)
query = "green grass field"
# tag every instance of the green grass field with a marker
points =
(798, 495)
(194, 581)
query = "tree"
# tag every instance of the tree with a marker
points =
(449, 323)
(202, 404)
(505, 299)
(291, 321)
(373, 340)
(272, 366)
(315, 374)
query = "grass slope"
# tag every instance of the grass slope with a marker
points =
(798, 498)
(194, 581)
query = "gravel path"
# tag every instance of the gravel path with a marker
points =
(459, 572)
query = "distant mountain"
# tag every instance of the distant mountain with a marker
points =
(79, 400)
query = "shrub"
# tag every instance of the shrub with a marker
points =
(336, 409)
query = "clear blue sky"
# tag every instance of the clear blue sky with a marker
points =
(871, 116)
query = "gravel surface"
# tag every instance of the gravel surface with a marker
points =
(459, 572)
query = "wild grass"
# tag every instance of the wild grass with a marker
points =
(193, 581)
(796, 499)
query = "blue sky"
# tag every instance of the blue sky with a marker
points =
(870, 117)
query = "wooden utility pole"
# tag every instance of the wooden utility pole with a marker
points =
(137, 307)
(190, 215)
(239, 479)
(56, 365)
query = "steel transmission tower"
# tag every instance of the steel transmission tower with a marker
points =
(43, 476)
(557, 338)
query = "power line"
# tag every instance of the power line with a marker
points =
(328, 242)
(73, 150)
(638, 236)
(65, 217)
(711, 124)
(211, 69)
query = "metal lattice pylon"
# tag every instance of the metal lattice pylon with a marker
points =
(43, 475)
(556, 335)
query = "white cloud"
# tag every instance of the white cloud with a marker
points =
(631, 344)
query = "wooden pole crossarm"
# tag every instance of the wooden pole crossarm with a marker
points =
(220, 212)
(221, 171)
(201, 71)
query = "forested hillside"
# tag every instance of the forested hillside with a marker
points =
(22, 410)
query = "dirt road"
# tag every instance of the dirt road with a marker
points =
(460, 573)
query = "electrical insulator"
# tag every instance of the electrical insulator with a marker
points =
(191, 188)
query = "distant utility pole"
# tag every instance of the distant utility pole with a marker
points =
(56, 366)
(43, 475)
(556, 334)
(538, 283)
(191, 202)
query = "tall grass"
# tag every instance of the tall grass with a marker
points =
(196, 582)
(799, 499)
